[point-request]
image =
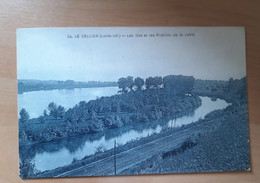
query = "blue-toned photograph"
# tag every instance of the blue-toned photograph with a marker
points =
(129, 101)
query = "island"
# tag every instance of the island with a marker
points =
(141, 101)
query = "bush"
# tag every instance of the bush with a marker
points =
(95, 126)
(100, 148)
(187, 144)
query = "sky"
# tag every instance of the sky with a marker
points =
(203, 52)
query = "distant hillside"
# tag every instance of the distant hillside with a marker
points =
(26, 85)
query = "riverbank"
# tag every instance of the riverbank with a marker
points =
(135, 156)
(222, 145)
(193, 144)
(28, 85)
(107, 113)
(142, 144)
(219, 146)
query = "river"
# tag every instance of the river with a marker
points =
(36, 101)
(51, 155)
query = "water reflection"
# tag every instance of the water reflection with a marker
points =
(48, 156)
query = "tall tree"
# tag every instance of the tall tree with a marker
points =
(149, 82)
(157, 81)
(122, 83)
(126, 83)
(60, 112)
(23, 126)
(139, 82)
(153, 82)
(24, 115)
(52, 107)
(130, 82)
(178, 84)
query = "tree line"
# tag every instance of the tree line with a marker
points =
(36, 85)
(140, 101)
(171, 83)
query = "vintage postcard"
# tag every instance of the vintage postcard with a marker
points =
(127, 101)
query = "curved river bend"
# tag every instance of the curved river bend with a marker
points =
(65, 155)
(51, 155)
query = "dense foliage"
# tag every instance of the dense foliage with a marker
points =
(139, 102)
(145, 100)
